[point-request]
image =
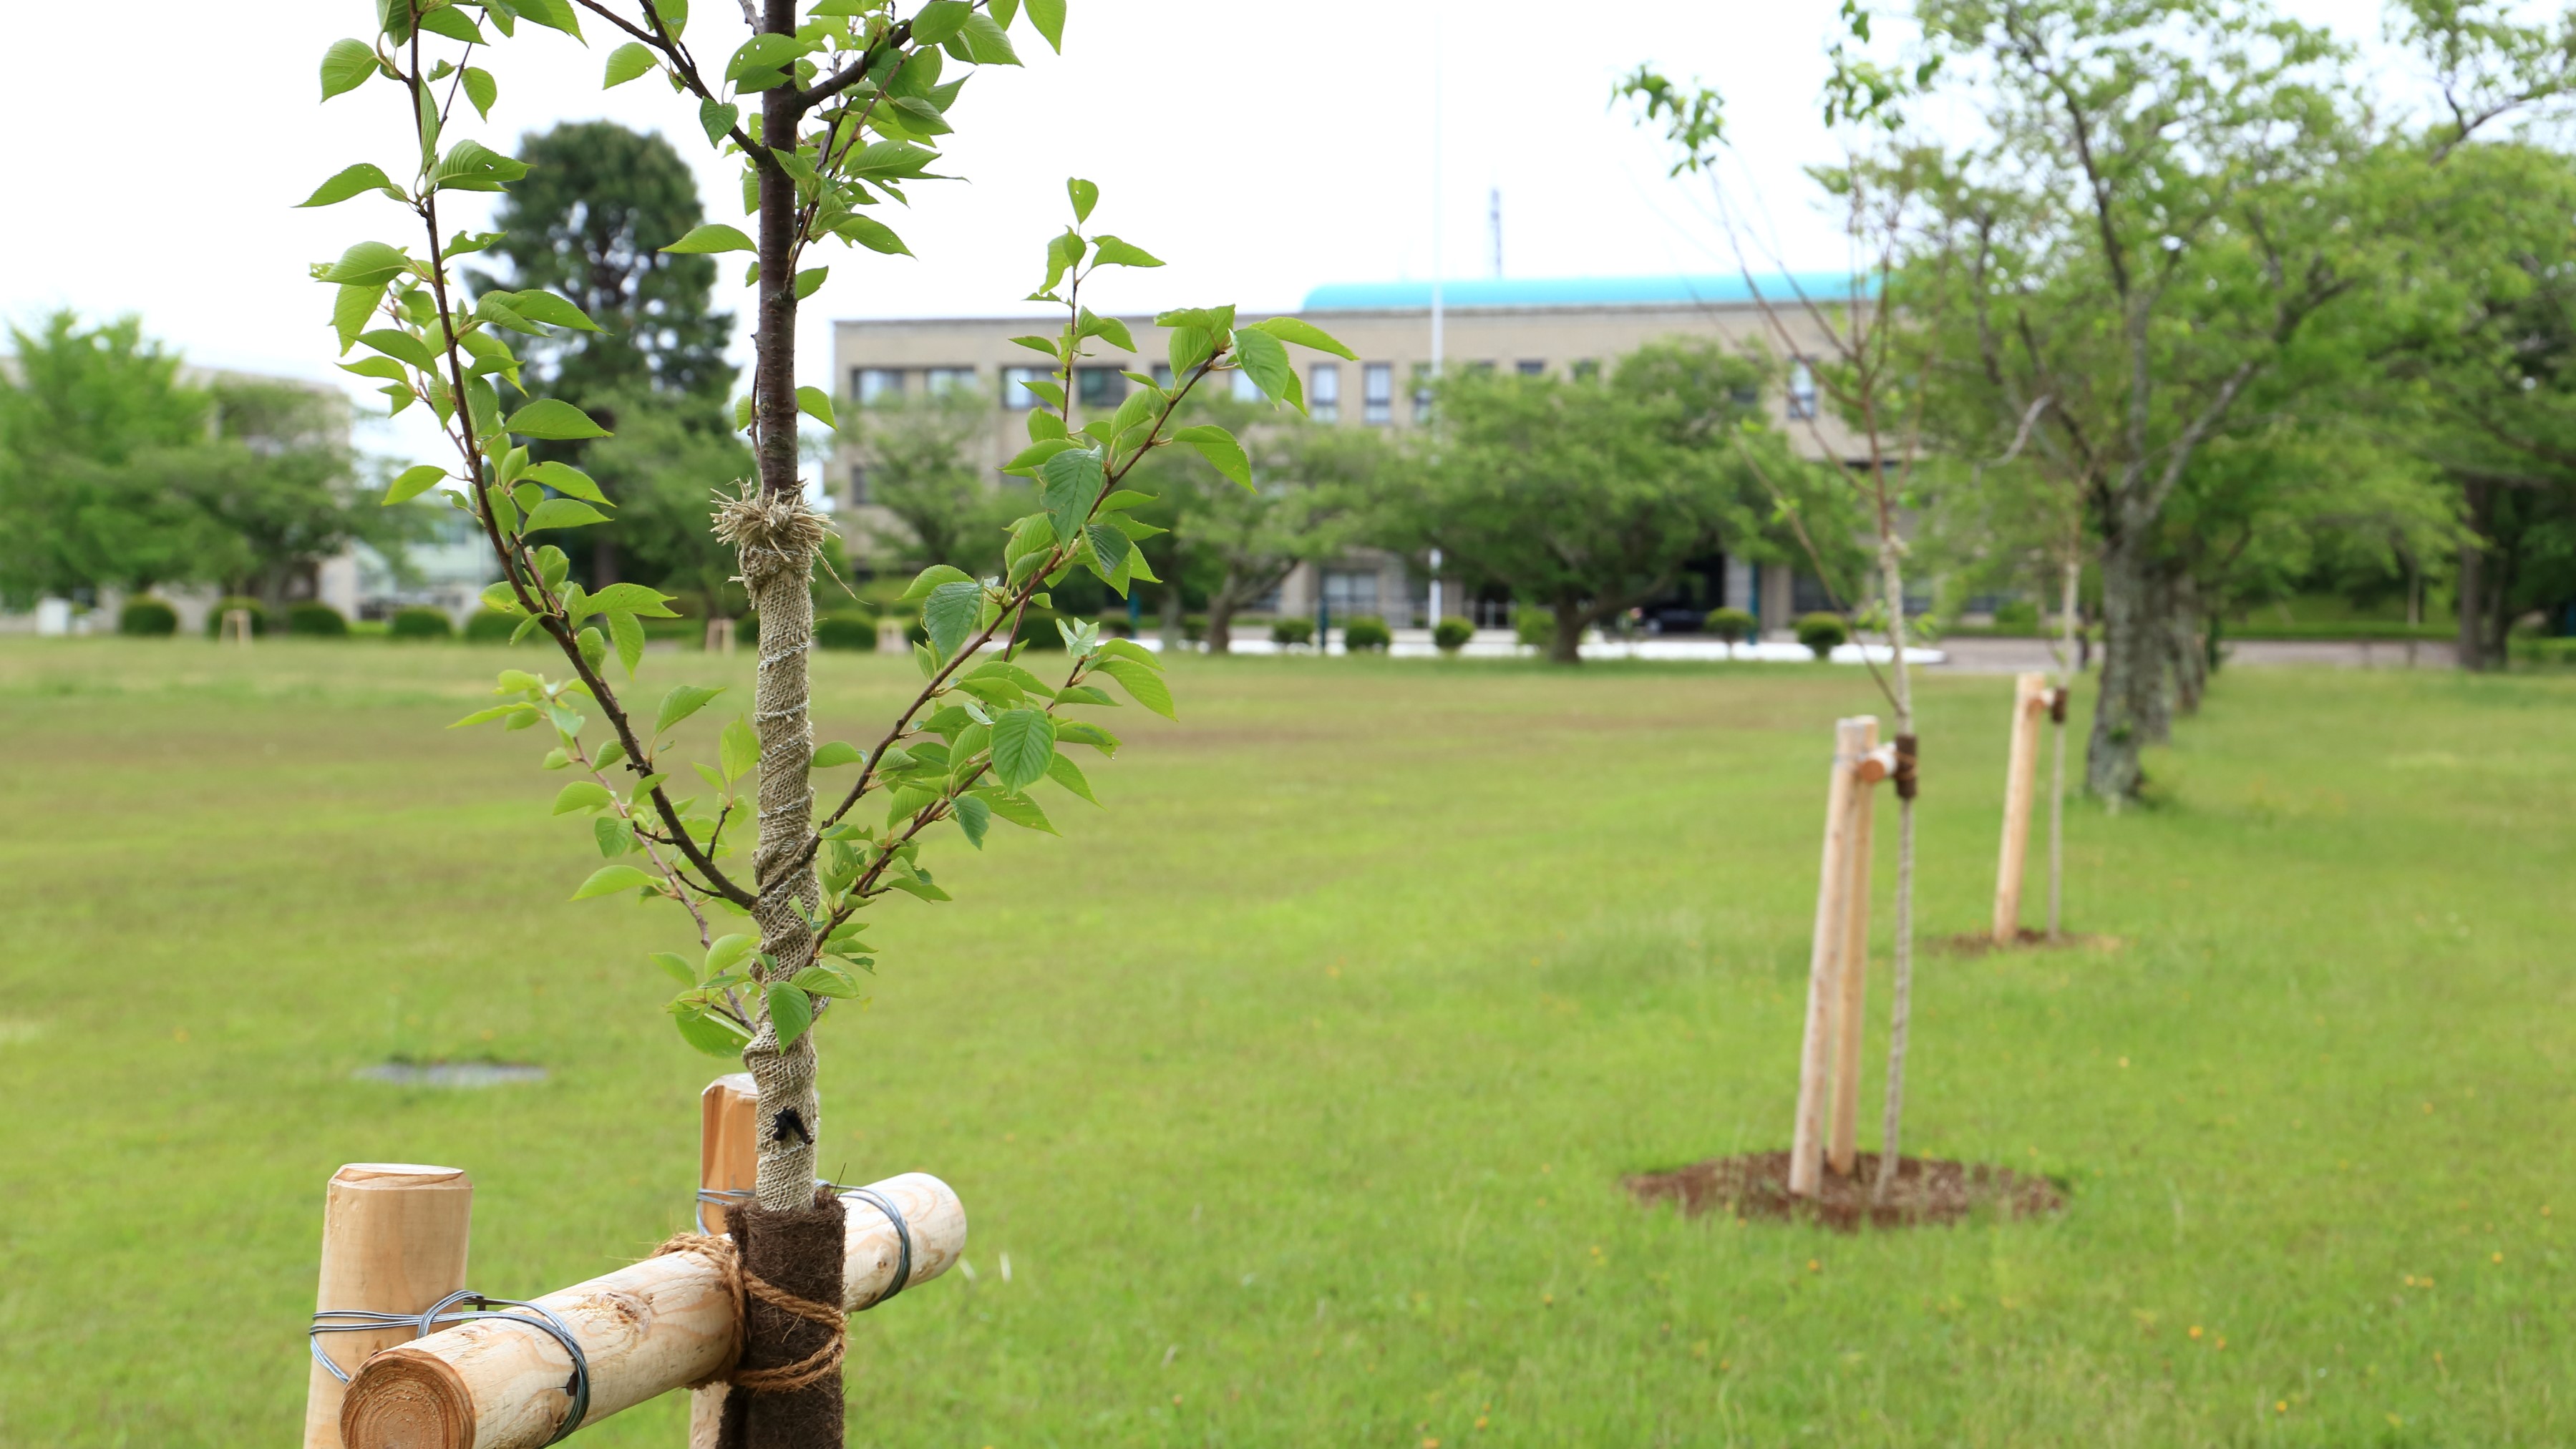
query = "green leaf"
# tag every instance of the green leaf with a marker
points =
(1084, 732)
(563, 513)
(810, 281)
(1048, 17)
(395, 343)
(582, 795)
(1303, 333)
(1028, 459)
(674, 14)
(613, 835)
(553, 418)
(414, 482)
(986, 42)
(571, 482)
(346, 66)
(973, 817)
(825, 979)
(762, 54)
(939, 20)
(676, 965)
(715, 236)
(1113, 330)
(931, 578)
(627, 62)
(1220, 449)
(449, 21)
(1265, 361)
(871, 233)
(1084, 194)
(1062, 770)
(1020, 810)
(636, 599)
(628, 632)
(1023, 742)
(544, 306)
(682, 702)
(351, 310)
(738, 748)
(1143, 685)
(481, 89)
(790, 1010)
(725, 953)
(815, 403)
(608, 880)
(836, 754)
(1109, 251)
(716, 119)
(473, 166)
(709, 1032)
(1130, 649)
(950, 614)
(1211, 319)
(553, 14)
(1188, 347)
(1069, 483)
(361, 177)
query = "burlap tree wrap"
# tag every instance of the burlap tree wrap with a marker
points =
(776, 538)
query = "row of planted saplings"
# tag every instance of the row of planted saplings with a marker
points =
(1827, 1129)
(406, 1354)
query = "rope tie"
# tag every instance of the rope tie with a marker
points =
(362, 1320)
(745, 1285)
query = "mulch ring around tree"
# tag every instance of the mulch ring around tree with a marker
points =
(1978, 943)
(1925, 1193)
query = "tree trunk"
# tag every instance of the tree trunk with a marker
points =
(1567, 646)
(2473, 576)
(603, 564)
(2132, 668)
(1172, 623)
(2190, 656)
(1220, 624)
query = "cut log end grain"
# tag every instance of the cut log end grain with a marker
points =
(414, 1400)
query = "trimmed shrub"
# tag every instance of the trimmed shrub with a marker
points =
(1452, 635)
(2021, 616)
(1535, 627)
(1822, 633)
(1368, 631)
(420, 622)
(315, 620)
(491, 626)
(147, 619)
(1292, 631)
(746, 630)
(916, 632)
(1732, 625)
(1037, 631)
(856, 632)
(230, 602)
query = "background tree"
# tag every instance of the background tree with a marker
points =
(919, 452)
(1589, 495)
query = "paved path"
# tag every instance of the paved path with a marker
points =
(2012, 656)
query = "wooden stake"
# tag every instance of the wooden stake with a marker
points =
(393, 1241)
(1833, 878)
(2030, 700)
(1853, 961)
(728, 1161)
(645, 1330)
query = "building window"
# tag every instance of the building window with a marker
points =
(1245, 389)
(1802, 390)
(1377, 392)
(949, 379)
(1015, 387)
(1422, 392)
(858, 485)
(1349, 594)
(1099, 387)
(1529, 368)
(1324, 392)
(867, 384)
(1163, 376)
(1587, 369)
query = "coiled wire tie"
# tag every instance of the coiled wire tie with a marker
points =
(736, 1196)
(361, 1320)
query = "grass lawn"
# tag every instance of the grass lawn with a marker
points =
(1295, 1090)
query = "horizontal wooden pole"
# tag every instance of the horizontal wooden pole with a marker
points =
(646, 1329)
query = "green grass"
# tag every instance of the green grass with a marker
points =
(1297, 1087)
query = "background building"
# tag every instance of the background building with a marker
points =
(1564, 326)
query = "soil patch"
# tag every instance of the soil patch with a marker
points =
(1978, 943)
(1925, 1193)
(451, 1074)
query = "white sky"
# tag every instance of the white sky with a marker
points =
(1259, 149)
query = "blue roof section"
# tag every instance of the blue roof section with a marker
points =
(1570, 292)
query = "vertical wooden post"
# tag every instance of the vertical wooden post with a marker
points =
(1853, 964)
(1833, 879)
(393, 1241)
(728, 1161)
(2030, 697)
